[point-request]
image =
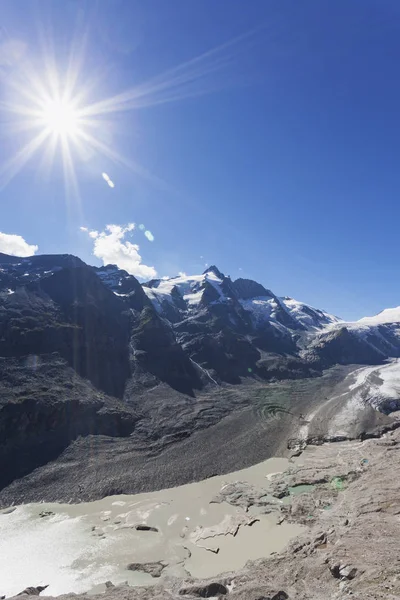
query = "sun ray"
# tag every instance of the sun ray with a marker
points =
(193, 70)
(48, 157)
(15, 164)
(71, 181)
(61, 114)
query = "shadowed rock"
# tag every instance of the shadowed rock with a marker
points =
(152, 568)
(205, 591)
(33, 591)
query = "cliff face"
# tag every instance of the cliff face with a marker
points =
(44, 406)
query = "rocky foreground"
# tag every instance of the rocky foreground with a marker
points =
(346, 495)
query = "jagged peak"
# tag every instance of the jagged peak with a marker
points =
(248, 288)
(215, 270)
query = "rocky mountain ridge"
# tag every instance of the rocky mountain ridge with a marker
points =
(89, 353)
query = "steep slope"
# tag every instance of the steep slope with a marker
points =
(224, 328)
(370, 340)
(123, 285)
(69, 311)
(44, 406)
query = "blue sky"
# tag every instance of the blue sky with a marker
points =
(264, 139)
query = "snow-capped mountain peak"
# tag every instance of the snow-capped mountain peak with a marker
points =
(389, 315)
(178, 296)
(185, 292)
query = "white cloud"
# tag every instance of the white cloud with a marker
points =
(93, 234)
(110, 246)
(149, 235)
(16, 245)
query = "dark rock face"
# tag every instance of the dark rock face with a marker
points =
(342, 346)
(72, 313)
(124, 285)
(286, 367)
(33, 591)
(205, 591)
(247, 288)
(156, 351)
(44, 405)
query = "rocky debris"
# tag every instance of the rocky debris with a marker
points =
(343, 571)
(144, 527)
(279, 487)
(241, 493)
(347, 571)
(228, 526)
(211, 590)
(278, 596)
(152, 568)
(305, 508)
(46, 513)
(296, 447)
(33, 591)
(320, 539)
(349, 548)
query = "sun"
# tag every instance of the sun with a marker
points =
(53, 109)
(60, 118)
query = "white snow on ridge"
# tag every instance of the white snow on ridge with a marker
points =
(386, 317)
(389, 315)
(369, 329)
(380, 383)
(263, 308)
(190, 287)
(390, 376)
(157, 297)
(378, 387)
(308, 316)
(361, 376)
(193, 299)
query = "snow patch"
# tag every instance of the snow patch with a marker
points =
(390, 315)
(308, 316)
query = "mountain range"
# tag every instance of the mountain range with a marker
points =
(88, 354)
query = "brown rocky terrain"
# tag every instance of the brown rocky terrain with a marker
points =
(350, 506)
